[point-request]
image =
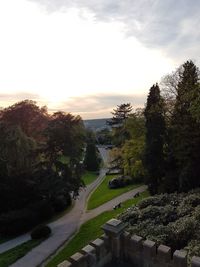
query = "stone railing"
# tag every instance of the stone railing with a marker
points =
(119, 245)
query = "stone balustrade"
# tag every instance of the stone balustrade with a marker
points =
(117, 244)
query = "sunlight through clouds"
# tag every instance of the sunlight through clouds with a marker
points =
(69, 53)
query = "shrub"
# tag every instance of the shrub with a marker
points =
(171, 219)
(192, 200)
(193, 249)
(180, 232)
(17, 222)
(149, 201)
(184, 209)
(41, 231)
(61, 202)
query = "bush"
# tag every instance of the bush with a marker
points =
(170, 219)
(17, 222)
(41, 231)
(119, 182)
(61, 202)
(180, 232)
(192, 200)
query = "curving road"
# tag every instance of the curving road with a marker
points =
(65, 227)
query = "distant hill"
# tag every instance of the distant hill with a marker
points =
(96, 124)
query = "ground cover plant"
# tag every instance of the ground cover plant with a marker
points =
(170, 219)
(10, 256)
(90, 231)
(103, 193)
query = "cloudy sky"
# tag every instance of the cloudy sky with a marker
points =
(87, 56)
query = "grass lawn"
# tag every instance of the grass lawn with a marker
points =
(90, 231)
(103, 194)
(12, 255)
(89, 177)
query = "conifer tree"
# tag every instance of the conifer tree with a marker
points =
(186, 129)
(155, 132)
(118, 123)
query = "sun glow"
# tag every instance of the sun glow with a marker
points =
(65, 54)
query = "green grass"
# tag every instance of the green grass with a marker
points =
(12, 255)
(90, 231)
(89, 177)
(103, 194)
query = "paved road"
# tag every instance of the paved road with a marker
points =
(75, 212)
(104, 154)
(65, 227)
(110, 204)
(62, 230)
(14, 242)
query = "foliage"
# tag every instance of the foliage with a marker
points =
(28, 116)
(132, 163)
(102, 194)
(154, 139)
(17, 221)
(185, 143)
(34, 181)
(12, 255)
(118, 123)
(92, 160)
(133, 149)
(170, 219)
(90, 231)
(119, 182)
(41, 231)
(104, 136)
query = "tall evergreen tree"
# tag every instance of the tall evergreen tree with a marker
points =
(91, 159)
(118, 123)
(186, 129)
(155, 132)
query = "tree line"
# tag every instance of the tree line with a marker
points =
(161, 143)
(40, 164)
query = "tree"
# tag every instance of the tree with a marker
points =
(65, 136)
(185, 129)
(133, 149)
(91, 161)
(120, 114)
(18, 160)
(28, 116)
(154, 139)
(118, 123)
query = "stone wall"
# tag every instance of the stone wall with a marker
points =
(117, 244)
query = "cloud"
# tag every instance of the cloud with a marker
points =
(169, 25)
(88, 106)
(99, 106)
(11, 98)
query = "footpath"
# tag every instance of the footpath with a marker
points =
(66, 226)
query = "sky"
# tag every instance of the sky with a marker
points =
(88, 56)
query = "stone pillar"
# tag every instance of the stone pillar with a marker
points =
(195, 261)
(164, 253)
(114, 230)
(65, 264)
(180, 258)
(79, 260)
